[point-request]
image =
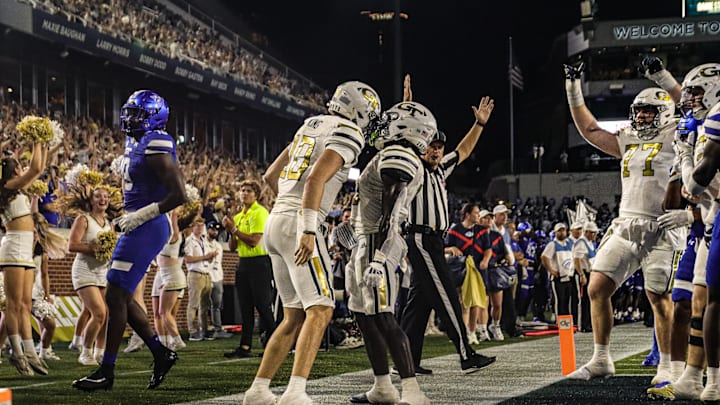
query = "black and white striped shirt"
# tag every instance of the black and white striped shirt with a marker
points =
(430, 206)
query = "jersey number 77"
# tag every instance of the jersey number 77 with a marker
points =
(630, 151)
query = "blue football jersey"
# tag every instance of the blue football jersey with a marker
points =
(141, 185)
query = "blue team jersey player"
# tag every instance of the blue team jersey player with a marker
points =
(152, 186)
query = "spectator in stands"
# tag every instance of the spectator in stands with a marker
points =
(253, 276)
(46, 204)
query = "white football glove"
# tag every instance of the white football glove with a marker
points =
(684, 150)
(373, 275)
(132, 220)
(675, 218)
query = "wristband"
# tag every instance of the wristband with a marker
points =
(309, 233)
(379, 257)
(687, 168)
(309, 219)
(574, 93)
(663, 79)
(480, 124)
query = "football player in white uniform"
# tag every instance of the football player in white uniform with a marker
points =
(395, 174)
(308, 176)
(634, 239)
(700, 90)
(695, 184)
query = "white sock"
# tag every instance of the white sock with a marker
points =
(86, 351)
(601, 353)
(712, 375)
(483, 328)
(664, 363)
(382, 382)
(676, 369)
(98, 352)
(409, 385)
(260, 383)
(692, 374)
(296, 384)
(29, 347)
(178, 339)
(16, 345)
(496, 323)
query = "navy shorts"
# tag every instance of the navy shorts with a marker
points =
(682, 285)
(135, 251)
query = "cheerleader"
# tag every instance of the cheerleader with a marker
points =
(16, 257)
(169, 283)
(91, 204)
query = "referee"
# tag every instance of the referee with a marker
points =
(431, 286)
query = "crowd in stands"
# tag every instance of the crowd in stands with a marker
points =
(540, 212)
(149, 24)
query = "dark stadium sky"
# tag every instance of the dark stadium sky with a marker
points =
(456, 50)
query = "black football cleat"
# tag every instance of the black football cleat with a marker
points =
(99, 380)
(475, 362)
(162, 364)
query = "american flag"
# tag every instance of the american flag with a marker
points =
(515, 74)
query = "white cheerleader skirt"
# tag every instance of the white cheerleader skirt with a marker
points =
(16, 249)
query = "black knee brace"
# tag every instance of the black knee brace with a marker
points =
(696, 324)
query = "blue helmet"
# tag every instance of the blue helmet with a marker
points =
(524, 226)
(143, 111)
(540, 233)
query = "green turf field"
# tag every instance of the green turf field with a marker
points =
(201, 373)
(631, 365)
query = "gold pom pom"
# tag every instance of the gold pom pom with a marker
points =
(188, 211)
(106, 245)
(38, 188)
(91, 178)
(35, 129)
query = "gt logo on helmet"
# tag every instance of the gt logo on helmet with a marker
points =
(411, 108)
(709, 71)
